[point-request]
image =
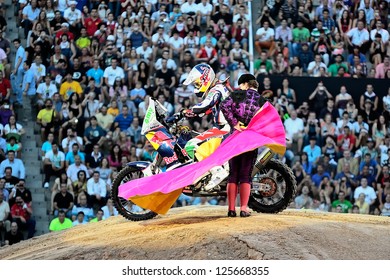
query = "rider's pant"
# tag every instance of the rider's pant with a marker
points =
(241, 167)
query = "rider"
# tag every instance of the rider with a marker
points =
(239, 108)
(213, 92)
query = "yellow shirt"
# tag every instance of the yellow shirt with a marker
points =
(46, 115)
(67, 89)
(113, 111)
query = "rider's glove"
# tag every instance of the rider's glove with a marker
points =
(187, 113)
(174, 118)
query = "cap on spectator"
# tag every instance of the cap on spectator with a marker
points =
(110, 38)
(65, 24)
(72, 3)
(244, 78)
(370, 140)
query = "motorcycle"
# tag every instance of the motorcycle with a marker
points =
(273, 182)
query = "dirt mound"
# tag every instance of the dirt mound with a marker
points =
(202, 233)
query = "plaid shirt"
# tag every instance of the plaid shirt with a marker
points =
(328, 23)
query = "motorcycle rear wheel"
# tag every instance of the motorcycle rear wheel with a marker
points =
(282, 188)
(125, 207)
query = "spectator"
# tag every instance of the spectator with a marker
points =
(109, 210)
(265, 39)
(318, 177)
(16, 164)
(82, 206)
(63, 201)
(314, 67)
(368, 191)
(80, 185)
(79, 219)
(54, 164)
(313, 151)
(294, 129)
(382, 68)
(14, 235)
(304, 201)
(97, 190)
(5, 88)
(99, 216)
(70, 86)
(319, 96)
(358, 37)
(5, 224)
(345, 204)
(21, 214)
(60, 223)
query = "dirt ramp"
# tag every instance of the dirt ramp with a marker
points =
(206, 233)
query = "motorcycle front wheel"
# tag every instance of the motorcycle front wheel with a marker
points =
(273, 187)
(125, 207)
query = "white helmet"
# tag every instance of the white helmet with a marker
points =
(201, 76)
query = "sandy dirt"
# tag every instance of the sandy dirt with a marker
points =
(201, 233)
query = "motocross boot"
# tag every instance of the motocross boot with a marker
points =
(218, 173)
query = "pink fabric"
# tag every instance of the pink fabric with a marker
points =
(265, 128)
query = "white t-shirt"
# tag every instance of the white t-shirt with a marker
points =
(204, 10)
(176, 43)
(316, 70)
(72, 16)
(47, 91)
(39, 71)
(55, 159)
(293, 126)
(144, 53)
(267, 34)
(188, 8)
(66, 143)
(171, 64)
(368, 191)
(111, 74)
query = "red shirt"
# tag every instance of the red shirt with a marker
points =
(347, 142)
(60, 33)
(17, 210)
(202, 53)
(4, 85)
(92, 25)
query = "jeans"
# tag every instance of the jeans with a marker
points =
(16, 84)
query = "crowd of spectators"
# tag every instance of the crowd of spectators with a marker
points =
(338, 149)
(87, 66)
(333, 38)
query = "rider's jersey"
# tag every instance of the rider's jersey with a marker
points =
(211, 104)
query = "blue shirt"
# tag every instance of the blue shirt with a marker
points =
(312, 154)
(70, 157)
(317, 178)
(20, 53)
(31, 14)
(96, 74)
(17, 168)
(124, 123)
(46, 147)
(29, 78)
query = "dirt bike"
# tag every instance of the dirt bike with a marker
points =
(273, 183)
